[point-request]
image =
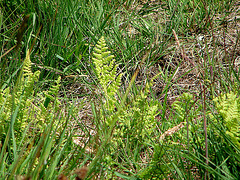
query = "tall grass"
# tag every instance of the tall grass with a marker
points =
(188, 70)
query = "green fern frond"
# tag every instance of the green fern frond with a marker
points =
(228, 107)
(26, 69)
(26, 80)
(106, 70)
(137, 122)
(52, 93)
(22, 96)
(180, 105)
(185, 110)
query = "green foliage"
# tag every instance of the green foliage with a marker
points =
(156, 168)
(190, 16)
(106, 70)
(22, 96)
(228, 109)
(33, 138)
(133, 29)
(163, 162)
(183, 104)
(186, 110)
(137, 123)
(33, 112)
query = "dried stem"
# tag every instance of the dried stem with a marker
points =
(183, 54)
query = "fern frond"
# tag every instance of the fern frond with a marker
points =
(180, 105)
(23, 97)
(26, 69)
(106, 70)
(52, 93)
(228, 107)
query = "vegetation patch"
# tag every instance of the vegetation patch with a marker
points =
(119, 89)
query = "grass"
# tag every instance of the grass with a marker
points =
(190, 51)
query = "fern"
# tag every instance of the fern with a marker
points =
(52, 93)
(186, 111)
(137, 120)
(183, 103)
(106, 70)
(228, 108)
(23, 96)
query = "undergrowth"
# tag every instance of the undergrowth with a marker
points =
(164, 106)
